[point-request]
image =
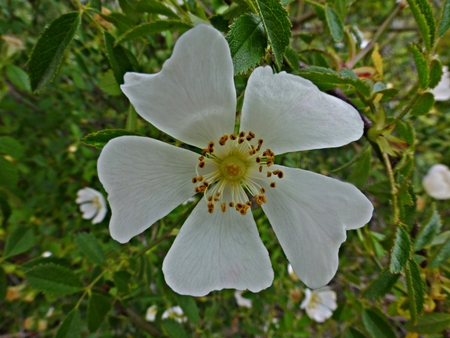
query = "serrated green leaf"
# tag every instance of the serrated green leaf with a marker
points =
(352, 333)
(71, 326)
(146, 29)
(3, 284)
(20, 240)
(441, 256)
(334, 24)
(98, 307)
(89, 246)
(155, 7)
(361, 171)
(436, 73)
(423, 14)
(292, 58)
(430, 323)
(118, 58)
(108, 84)
(247, 40)
(10, 146)
(128, 9)
(46, 260)
(277, 26)
(49, 50)
(382, 285)
(406, 132)
(423, 104)
(401, 250)
(376, 324)
(189, 307)
(444, 23)
(173, 328)
(100, 138)
(416, 290)
(53, 279)
(18, 77)
(421, 65)
(429, 231)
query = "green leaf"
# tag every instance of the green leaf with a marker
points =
(20, 240)
(376, 324)
(189, 307)
(441, 256)
(334, 23)
(49, 50)
(436, 73)
(5, 209)
(430, 323)
(292, 59)
(89, 246)
(247, 40)
(421, 65)
(118, 58)
(53, 279)
(10, 146)
(121, 279)
(155, 7)
(423, 104)
(3, 284)
(382, 285)
(416, 289)
(361, 171)
(9, 175)
(146, 29)
(444, 23)
(401, 250)
(108, 84)
(173, 328)
(406, 132)
(100, 138)
(18, 77)
(71, 326)
(352, 333)
(128, 9)
(423, 14)
(429, 231)
(98, 307)
(277, 26)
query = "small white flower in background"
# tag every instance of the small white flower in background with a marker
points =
(92, 204)
(437, 182)
(319, 304)
(291, 272)
(150, 315)
(175, 313)
(46, 254)
(193, 99)
(241, 301)
(442, 91)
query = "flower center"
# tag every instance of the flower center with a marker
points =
(229, 173)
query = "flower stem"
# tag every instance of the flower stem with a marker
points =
(394, 190)
(131, 119)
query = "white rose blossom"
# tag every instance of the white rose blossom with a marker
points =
(319, 304)
(92, 204)
(175, 313)
(193, 99)
(437, 182)
(150, 314)
(442, 91)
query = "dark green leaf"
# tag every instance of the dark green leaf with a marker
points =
(128, 9)
(423, 14)
(98, 307)
(406, 132)
(89, 246)
(155, 7)
(9, 175)
(18, 77)
(377, 325)
(352, 333)
(430, 323)
(100, 138)
(416, 290)
(118, 58)
(334, 24)
(121, 279)
(71, 326)
(436, 73)
(444, 23)
(173, 328)
(96, 4)
(382, 285)
(189, 307)
(45, 260)
(401, 250)
(441, 256)
(150, 28)
(5, 209)
(53, 279)
(277, 26)
(48, 51)
(292, 59)
(247, 41)
(20, 240)
(421, 65)
(423, 104)
(11, 147)
(429, 231)
(3, 284)
(361, 171)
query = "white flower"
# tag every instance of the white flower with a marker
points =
(175, 313)
(241, 301)
(437, 182)
(193, 99)
(151, 313)
(319, 304)
(92, 204)
(442, 91)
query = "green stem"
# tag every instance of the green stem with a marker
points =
(394, 190)
(406, 109)
(131, 119)
(84, 10)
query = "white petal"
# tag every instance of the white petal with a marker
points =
(307, 299)
(437, 182)
(442, 91)
(89, 210)
(193, 97)
(145, 180)
(85, 195)
(309, 214)
(217, 251)
(290, 114)
(241, 301)
(328, 298)
(101, 212)
(151, 313)
(319, 313)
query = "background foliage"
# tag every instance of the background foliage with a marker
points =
(60, 67)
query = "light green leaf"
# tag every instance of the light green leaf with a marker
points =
(20, 240)
(173, 328)
(416, 290)
(53, 279)
(98, 307)
(430, 323)
(444, 23)
(401, 250)
(18, 77)
(71, 326)
(118, 58)
(334, 24)
(361, 171)
(423, 104)
(277, 26)
(436, 73)
(89, 246)
(100, 138)
(247, 40)
(382, 285)
(429, 231)
(155, 7)
(421, 65)
(189, 307)
(108, 84)
(10, 146)
(49, 50)
(423, 14)
(441, 256)
(376, 324)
